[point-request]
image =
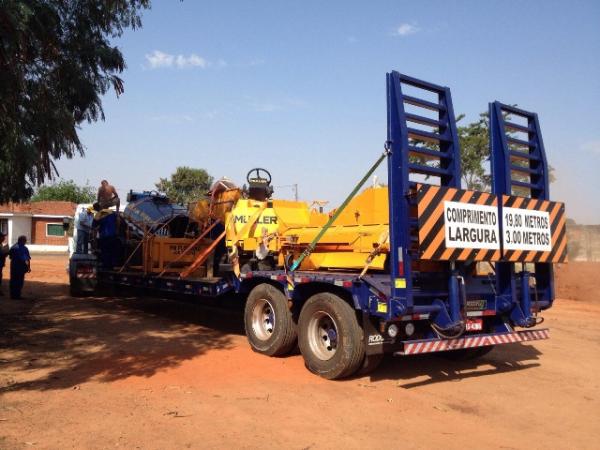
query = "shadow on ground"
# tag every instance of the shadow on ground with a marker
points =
(53, 341)
(422, 370)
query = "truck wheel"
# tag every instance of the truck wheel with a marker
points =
(330, 337)
(269, 325)
(466, 354)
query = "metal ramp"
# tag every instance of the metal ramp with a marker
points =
(521, 177)
(423, 140)
(428, 145)
(519, 164)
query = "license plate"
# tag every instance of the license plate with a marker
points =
(474, 325)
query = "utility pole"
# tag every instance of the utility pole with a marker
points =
(294, 189)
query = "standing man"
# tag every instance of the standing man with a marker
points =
(84, 221)
(20, 264)
(3, 254)
(107, 196)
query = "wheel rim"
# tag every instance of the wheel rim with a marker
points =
(263, 319)
(322, 335)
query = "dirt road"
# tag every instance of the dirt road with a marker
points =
(155, 374)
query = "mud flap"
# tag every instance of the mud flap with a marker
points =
(375, 341)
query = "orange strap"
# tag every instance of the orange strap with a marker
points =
(202, 257)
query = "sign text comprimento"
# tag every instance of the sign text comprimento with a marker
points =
(468, 225)
(525, 229)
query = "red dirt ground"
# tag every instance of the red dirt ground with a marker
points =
(155, 374)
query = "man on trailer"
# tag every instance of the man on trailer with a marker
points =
(107, 196)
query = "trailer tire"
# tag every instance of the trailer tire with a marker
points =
(268, 321)
(330, 337)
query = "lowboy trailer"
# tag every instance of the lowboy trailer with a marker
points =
(457, 271)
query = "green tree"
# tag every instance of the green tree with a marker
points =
(475, 151)
(66, 191)
(56, 61)
(186, 184)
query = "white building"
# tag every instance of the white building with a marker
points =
(40, 222)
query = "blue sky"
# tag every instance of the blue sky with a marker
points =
(299, 88)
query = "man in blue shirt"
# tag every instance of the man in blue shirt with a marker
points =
(20, 264)
(108, 242)
(83, 223)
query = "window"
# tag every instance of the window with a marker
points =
(4, 226)
(55, 229)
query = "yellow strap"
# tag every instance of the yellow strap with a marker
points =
(383, 238)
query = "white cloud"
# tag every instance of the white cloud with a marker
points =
(405, 29)
(265, 106)
(158, 60)
(212, 114)
(173, 118)
(247, 63)
(592, 147)
(296, 102)
(192, 60)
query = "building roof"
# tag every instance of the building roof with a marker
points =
(49, 208)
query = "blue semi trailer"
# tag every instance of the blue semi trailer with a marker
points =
(466, 271)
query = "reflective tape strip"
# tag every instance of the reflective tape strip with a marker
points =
(438, 345)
